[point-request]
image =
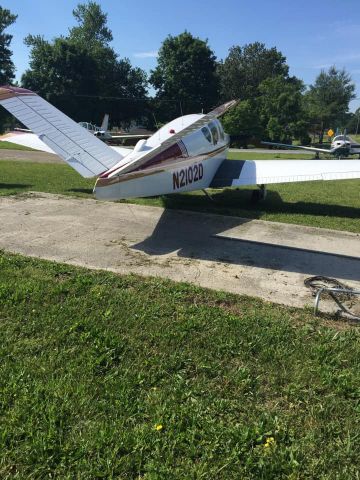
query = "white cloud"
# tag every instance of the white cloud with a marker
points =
(151, 54)
(339, 60)
(323, 66)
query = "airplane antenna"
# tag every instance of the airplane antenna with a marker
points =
(182, 113)
(156, 123)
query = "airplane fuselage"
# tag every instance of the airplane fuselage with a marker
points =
(343, 147)
(188, 164)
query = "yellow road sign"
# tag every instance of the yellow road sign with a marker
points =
(330, 132)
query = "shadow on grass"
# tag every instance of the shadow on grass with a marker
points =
(14, 185)
(231, 202)
(88, 191)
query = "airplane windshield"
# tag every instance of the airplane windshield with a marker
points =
(341, 138)
(221, 130)
(214, 131)
(206, 133)
(89, 126)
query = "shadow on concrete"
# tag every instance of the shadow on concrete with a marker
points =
(195, 236)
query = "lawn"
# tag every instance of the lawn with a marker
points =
(12, 146)
(108, 376)
(334, 204)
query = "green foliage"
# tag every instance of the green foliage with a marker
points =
(280, 106)
(328, 99)
(273, 101)
(59, 67)
(243, 122)
(92, 29)
(77, 73)
(353, 122)
(109, 376)
(186, 73)
(7, 68)
(245, 68)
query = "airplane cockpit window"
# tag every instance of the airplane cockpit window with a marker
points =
(206, 133)
(221, 130)
(214, 132)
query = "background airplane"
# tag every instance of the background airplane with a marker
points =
(105, 135)
(341, 146)
(189, 153)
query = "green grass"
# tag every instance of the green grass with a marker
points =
(13, 146)
(93, 362)
(334, 204)
(19, 177)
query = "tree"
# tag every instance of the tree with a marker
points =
(7, 68)
(243, 122)
(186, 74)
(79, 73)
(92, 29)
(281, 108)
(352, 123)
(327, 101)
(245, 68)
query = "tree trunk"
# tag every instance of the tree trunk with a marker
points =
(321, 136)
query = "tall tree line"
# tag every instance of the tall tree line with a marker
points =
(7, 67)
(82, 75)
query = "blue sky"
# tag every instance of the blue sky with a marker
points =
(311, 34)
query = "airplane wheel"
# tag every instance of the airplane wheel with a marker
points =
(256, 196)
(259, 194)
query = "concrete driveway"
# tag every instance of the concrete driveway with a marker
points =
(263, 259)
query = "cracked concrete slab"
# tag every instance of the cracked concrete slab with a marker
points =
(264, 259)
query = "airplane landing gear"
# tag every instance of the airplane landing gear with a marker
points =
(260, 194)
(209, 196)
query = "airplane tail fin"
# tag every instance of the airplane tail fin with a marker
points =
(105, 123)
(88, 155)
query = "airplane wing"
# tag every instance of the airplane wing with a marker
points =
(234, 173)
(26, 140)
(33, 141)
(147, 135)
(88, 155)
(300, 147)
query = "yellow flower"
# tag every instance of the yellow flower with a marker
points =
(158, 427)
(270, 442)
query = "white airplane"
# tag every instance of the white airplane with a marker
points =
(189, 153)
(103, 133)
(341, 146)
